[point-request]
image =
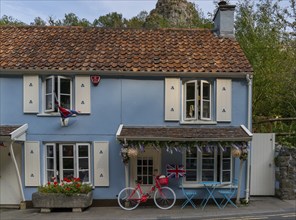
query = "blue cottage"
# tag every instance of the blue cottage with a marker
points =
(145, 98)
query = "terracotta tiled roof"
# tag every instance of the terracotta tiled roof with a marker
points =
(6, 130)
(131, 50)
(184, 134)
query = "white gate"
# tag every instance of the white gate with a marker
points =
(262, 165)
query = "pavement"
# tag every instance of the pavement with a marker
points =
(257, 206)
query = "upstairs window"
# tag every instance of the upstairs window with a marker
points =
(197, 100)
(58, 88)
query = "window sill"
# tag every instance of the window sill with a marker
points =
(200, 186)
(198, 122)
(57, 114)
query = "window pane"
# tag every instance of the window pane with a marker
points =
(50, 176)
(65, 86)
(145, 180)
(150, 180)
(139, 162)
(83, 175)
(207, 175)
(191, 175)
(206, 109)
(208, 164)
(226, 176)
(206, 91)
(145, 170)
(68, 150)
(139, 170)
(65, 101)
(190, 111)
(226, 164)
(83, 163)
(68, 163)
(49, 85)
(68, 174)
(191, 164)
(48, 102)
(190, 91)
(83, 151)
(49, 151)
(50, 163)
(150, 162)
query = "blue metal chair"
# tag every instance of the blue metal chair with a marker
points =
(189, 195)
(228, 194)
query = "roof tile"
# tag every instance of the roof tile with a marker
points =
(79, 48)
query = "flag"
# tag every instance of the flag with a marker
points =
(175, 171)
(65, 113)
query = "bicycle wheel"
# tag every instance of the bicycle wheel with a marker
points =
(164, 198)
(128, 198)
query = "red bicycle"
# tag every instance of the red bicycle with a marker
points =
(164, 197)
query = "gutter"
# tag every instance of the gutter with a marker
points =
(123, 73)
(249, 78)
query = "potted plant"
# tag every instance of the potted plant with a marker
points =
(69, 193)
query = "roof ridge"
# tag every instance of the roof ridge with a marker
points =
(104, 28)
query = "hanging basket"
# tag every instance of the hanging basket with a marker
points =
(132, 152)
(236, 153)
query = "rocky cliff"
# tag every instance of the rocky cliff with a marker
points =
(173, 13)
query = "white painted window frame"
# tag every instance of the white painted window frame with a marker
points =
(199, 167)
(60, 158)
(198, 92)
(202, 100)
(54, 78)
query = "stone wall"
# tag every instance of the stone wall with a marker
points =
(285, 173)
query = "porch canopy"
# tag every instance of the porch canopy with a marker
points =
(13, 132)
(204, 134)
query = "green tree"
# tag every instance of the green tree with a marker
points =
(137, 21)
(9, 20)
(38, 22)
(262, 31)
(113, 20)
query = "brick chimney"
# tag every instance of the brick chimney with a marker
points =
(224, 20)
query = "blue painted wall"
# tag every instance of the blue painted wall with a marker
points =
(115, 101)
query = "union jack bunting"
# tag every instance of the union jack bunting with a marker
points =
(175, 171)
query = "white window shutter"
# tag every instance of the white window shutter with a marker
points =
(82, 94)
(32, 163)
(101, 163)
(31, 94)
(172, 99)
(224, 100)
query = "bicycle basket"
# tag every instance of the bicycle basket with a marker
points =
(163, 180)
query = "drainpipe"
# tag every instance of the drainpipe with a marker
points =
(249, 78)
(17, 170)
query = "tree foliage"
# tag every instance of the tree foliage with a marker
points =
(267, 37)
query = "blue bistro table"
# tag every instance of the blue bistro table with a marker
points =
(210, 187)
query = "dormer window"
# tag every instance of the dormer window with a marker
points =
(197, 100)
(58, 88)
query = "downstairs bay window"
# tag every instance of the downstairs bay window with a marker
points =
(208, 164)
(67, 161)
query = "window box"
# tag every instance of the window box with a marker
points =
(48, 201)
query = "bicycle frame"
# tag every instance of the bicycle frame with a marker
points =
(164, 197)
(145, 196)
